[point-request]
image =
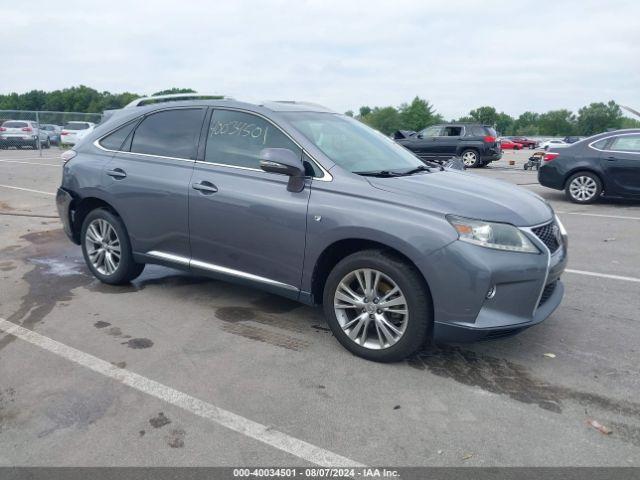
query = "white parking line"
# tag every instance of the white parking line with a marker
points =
(621, 217)
(232, 421)
(603, 275)
(27, 190)
(32, 163)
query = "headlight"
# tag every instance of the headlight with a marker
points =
(500, 236)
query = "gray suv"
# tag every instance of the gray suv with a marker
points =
(317, 207)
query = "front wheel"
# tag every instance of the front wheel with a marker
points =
(106, 248)
(583, 187)
(378, 306)
(470, 158)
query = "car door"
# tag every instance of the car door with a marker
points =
(244, 223)
(449, 141)
(147, 180)
(621, 163)
(425, 144)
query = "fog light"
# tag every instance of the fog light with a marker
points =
(492, 292)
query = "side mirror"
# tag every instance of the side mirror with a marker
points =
(284, 162)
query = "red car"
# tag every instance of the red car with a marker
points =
(507, 144)
(525, 142)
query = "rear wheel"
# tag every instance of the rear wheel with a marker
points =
(470, 158)
(583, 187)
(107, 249)
(378, 306)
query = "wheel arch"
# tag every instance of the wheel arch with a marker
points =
(81, 208)
(585, 169)
(336, 251)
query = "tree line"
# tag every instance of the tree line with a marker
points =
(594, 118)
(80, 99)
(416, 115)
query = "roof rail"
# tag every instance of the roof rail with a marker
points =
(294, 104)
(138, 102)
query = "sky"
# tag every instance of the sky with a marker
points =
(515, 55)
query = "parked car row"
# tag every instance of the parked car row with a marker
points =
(28, 133)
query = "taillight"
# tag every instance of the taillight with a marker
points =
(2, 129)
(68, 155)
(64, 133)
(550, 156)
(27, 129)
(489, 139)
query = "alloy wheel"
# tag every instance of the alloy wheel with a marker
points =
(103, 246)
(371, 309)
(469, 159)
(583, 188)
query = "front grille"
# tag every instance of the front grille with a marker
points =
(547, 292)
(548, 235)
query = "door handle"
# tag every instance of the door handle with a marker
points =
(205, 188)
(611, 158)
(116, 173)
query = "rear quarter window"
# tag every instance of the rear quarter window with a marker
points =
(116, 139)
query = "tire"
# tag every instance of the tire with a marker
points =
(414, 327)
(48, 144)
(472, 159)
(126, 268)
(526, 167)
(583, 188)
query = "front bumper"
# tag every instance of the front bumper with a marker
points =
(461, 275)
(63, 203)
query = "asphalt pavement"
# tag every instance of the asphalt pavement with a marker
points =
(179, 370)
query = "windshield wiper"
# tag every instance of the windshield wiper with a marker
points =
(379, 173)
(418, 169)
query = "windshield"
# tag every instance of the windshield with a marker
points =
(351, 144)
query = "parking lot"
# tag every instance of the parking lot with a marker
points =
(185, 371)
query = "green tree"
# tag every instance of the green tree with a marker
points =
(386, 119)
(599, 117)
(171, 91)
(526, 124)
(557, 123)
(629, 123)
(504, 123)
(485, 115)
(418, 114)
(364, 111)
(349, 113)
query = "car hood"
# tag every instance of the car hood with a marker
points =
(467, 195)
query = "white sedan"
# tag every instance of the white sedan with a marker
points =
(554, 143)
(73, 132)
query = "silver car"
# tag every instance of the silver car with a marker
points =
(317, 207)
(23, 133)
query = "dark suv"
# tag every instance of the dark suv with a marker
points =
(476, 144)
(317, 207)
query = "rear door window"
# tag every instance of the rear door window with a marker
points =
(169, 133)
(452, 131)
(626, 143)
(237, 138)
